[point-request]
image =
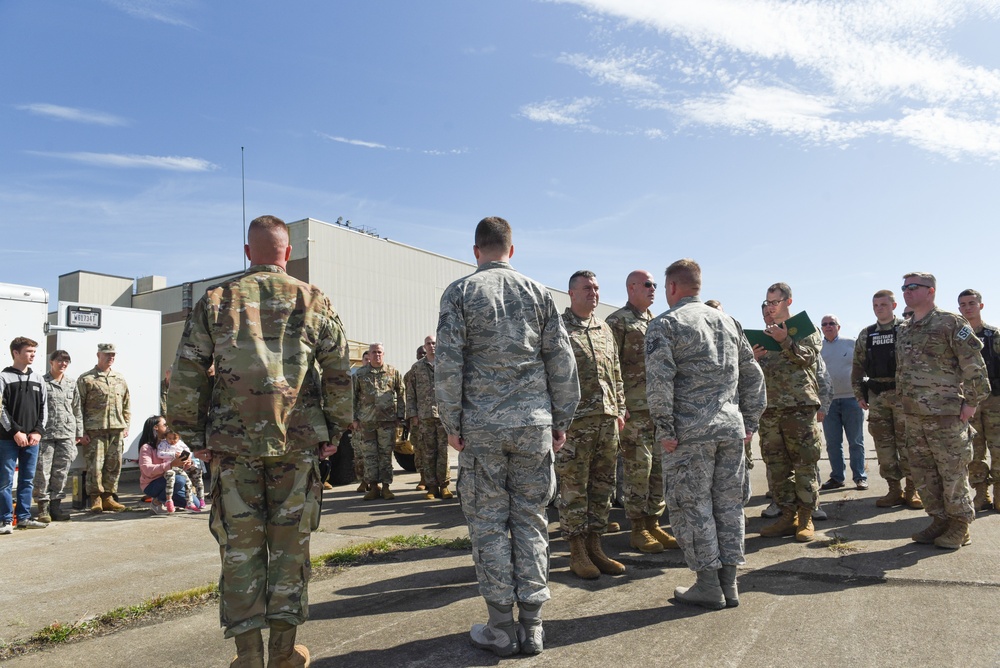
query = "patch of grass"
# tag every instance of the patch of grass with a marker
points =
(361, 553)
(839, 545)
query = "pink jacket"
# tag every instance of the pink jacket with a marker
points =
(151, 466)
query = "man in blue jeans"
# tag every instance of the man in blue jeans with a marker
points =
(845, 415)
(22, 423)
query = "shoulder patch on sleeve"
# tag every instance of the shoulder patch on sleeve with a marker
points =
(964, 333)
(651, 345)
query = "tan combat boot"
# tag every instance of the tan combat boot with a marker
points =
(604, 563)
(804, 526)
(926, 537)
(981, 502)
(911, 497)
(282, 652)
(422, 485)
(43, 512)
(373, 492)
(432, 492)
(363, 487)
(659, 535)
(95, 504)
(996, 497)
(249, 650)
(955, 535)
(108, 503)
(894, 497)
(579, 562)
(785, 526)
(446, 493)
(641, 539)
(386, 494)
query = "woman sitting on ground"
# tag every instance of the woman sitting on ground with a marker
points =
(152, 468)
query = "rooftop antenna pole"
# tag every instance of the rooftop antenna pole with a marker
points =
(243, 179)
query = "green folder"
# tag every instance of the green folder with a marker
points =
(799, 327)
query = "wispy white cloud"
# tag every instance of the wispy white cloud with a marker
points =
(131, 161)
(385, 147)
(164, 11)
(73, 114)
(573, 112)
(821, 70)
(356, 142)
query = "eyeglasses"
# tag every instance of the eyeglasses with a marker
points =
(829, 324)
(910, 287)
(773, 302)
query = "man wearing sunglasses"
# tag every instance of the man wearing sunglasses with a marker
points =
(873, 378)
(941, 379)
(986, 421)
(789, 433)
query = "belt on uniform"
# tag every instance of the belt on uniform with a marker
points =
(880, 386)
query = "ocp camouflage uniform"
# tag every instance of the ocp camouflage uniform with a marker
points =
(986, 421)
(938, 369)
(422, 404)
(789, 434)
(643, 458)
(885, 414)
(106, 408)
(586, 464)
(282, 387)
(57, 449)
(698, 366)
(379, 405)
(414, 433)
(505, 378)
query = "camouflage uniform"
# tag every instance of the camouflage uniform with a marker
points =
(106, 407)
(586, 464)
(698, 366)
(379, 405)
(505, 377)
(885, 415)
(422, 404)
(414, 434)
(938, 369)
(789, 434)
(986, 422)
(57, 449)
(164, 388)
(643, 458)
(282, 387)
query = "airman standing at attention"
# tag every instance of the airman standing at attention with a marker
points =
(643, 456)
(941, 379)
(410, 427)
(421, 408)
(106, 408)
(63, 432)
(379, 407)
(986, 421)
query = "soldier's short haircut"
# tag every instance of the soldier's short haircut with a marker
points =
(60, 356)
(267, 224)
(685, 272)
(583, 273)
(493, 234)
(971, 293)
(931, 281)
(783, 288)
(421, 352)
(884, 293)
(20, 343)
(714, 303)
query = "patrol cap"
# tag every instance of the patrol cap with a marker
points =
(105, 347)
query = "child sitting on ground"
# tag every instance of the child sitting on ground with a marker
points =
(172, 447)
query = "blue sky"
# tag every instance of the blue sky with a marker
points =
(832, 145)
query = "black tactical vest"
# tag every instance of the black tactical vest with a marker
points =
(991, 358)
(881, 352)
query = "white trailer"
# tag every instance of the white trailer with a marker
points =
(23, 312)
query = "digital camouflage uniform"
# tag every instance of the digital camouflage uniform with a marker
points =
(643, 458)
(422, 404)
(789, 434)
(414, 433)
(505, 377)
(885, 415)
(57, 449)
(986, 422)
(281, 388)
(379, 405)
(938, 368)
(706, 392)
(106, 408)
(586, 464)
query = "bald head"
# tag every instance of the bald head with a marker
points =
(267, 242)
(641, 289)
